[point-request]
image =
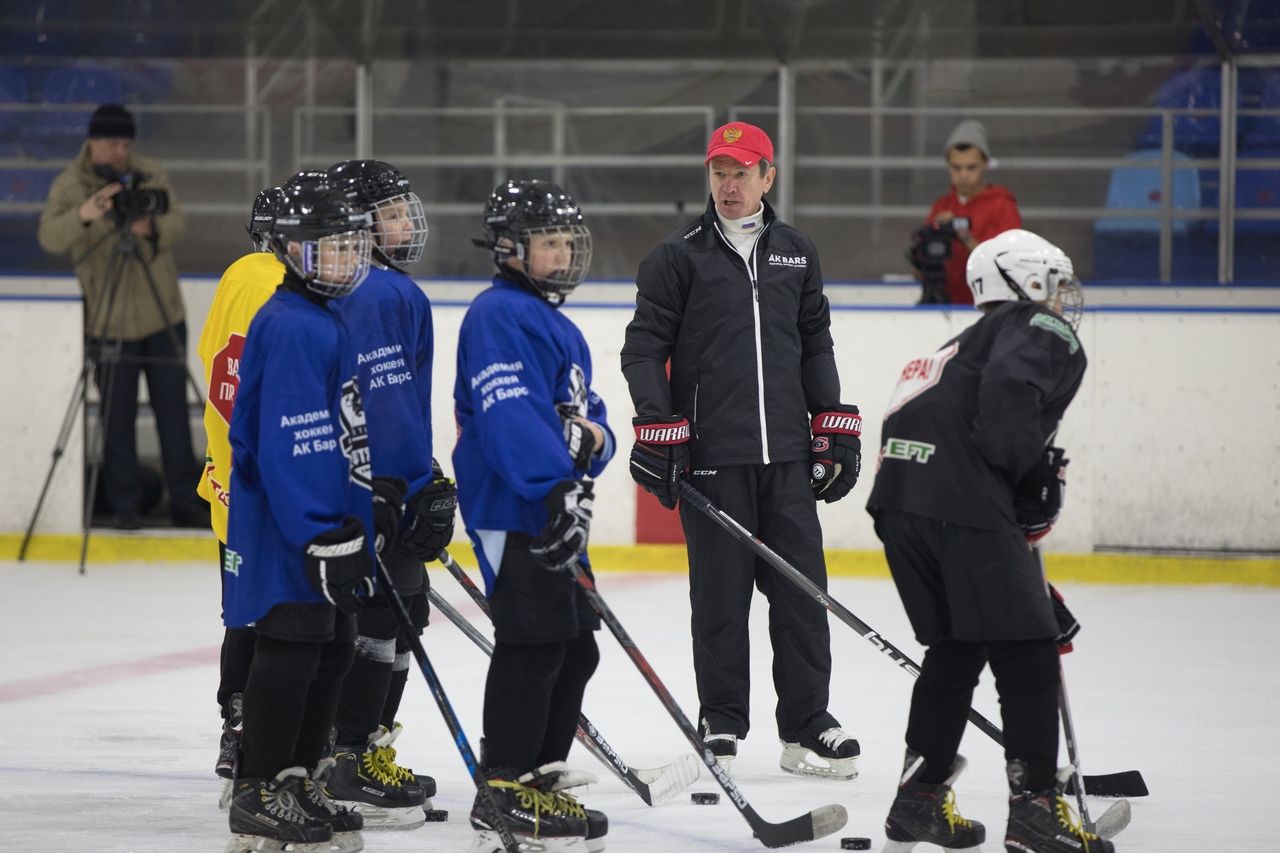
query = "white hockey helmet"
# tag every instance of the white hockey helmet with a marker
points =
(1019, 264)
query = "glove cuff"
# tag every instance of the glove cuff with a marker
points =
(661, 431)
(838, 421)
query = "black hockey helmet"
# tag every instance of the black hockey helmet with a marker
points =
(331, 235)
(380, 189)
(263, 215)
(519, 212)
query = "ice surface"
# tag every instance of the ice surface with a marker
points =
(110, 728)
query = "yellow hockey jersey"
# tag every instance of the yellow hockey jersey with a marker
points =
(244, 288)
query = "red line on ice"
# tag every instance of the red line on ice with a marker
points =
(59, 682)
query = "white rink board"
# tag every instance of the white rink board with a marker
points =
(1172, 439)
(41, 351)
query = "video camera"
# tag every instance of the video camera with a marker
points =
(930, 250)
(132, 202)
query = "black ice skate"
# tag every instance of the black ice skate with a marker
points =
(1044, 822)
(556, 779)
(538, 819)
(723, 746)
(361, 782)
(831, 754)
(229, 748)
(346, 824)
(385, 754)
(926, 813)
(268, 816)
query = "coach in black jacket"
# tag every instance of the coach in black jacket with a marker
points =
(751, 414)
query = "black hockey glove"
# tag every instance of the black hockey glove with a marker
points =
(564, 540)
(1068, 627)
(1038, 498)
(338, 565)
(388, 506)
(836, 453)
(428, 528)
(660, 456)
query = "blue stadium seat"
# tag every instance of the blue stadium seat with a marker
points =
(1139, 188)
(57, 134)
(13, 90)
(1130, 248)
(1195, 88)
(26, 184)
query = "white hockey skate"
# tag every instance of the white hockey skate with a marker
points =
(832, 754)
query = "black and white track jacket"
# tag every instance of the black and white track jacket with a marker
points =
(750, 344)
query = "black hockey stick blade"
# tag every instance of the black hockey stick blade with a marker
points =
(807, 827)
(1126, 783)
(703, 504)
(508, 839)
(654, 786)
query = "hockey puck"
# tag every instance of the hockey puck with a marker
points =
(855, 843)
(705, 799)
(436, 815)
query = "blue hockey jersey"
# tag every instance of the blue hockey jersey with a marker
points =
(522, 367)
(300, 450)
(389, 320)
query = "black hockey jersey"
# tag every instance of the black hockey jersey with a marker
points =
(967, 422)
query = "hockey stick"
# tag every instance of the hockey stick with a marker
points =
(654, 786)
(1117, 816)
(823, 820)
(509, 842)
(1116, 784)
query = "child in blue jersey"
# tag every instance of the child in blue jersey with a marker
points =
(299, 549)
(389, 320)
(530, 434)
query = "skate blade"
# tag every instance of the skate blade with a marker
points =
(488, 841)
(806, 763)
(259, 844)
(377, 818)
(899, 846)
(224, 798)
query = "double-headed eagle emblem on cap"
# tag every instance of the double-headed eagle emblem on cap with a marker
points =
(732, 134)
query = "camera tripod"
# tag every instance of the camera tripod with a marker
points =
(105, 354)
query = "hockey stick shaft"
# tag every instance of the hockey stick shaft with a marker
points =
(815, 824)
(1129, 783)
(587, 734)
(446, 709)
(1073, 752)
(886, 648)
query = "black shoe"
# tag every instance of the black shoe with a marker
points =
(360, 782)
(527, 812)
(554, 779)
(229, 745)
(926, 812)
(273, 810)
(385, 755)
(723, 746)
(1043, 821)
(346, 824)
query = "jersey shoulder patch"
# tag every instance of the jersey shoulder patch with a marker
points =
(1056, 326)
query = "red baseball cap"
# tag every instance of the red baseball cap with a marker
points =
(744, 142)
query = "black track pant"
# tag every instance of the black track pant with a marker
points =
(117, 381)
(777, 504)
